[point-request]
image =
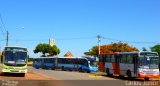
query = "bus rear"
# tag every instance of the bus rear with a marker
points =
(14, 60)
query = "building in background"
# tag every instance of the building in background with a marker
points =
(52, 41)
(68, 54)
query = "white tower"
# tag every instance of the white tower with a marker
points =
(51, 41)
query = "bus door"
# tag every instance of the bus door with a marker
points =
(135, 62)
(76, 64)
(117, 61)
(43, 63)
(101, 63)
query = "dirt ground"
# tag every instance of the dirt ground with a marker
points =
(28, 76)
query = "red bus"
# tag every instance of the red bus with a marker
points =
(131, 64)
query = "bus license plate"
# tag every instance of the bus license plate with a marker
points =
(14, 71)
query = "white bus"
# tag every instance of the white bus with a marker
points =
(131, 64)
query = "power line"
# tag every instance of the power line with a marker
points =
(2, 31)
(137, 42)
(78, 38)
(86, 38)
(63, 39)
(3, 23)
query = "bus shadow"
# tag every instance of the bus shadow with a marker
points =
(127, 79)
(11, 74)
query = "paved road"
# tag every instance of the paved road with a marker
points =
(73, 78)
(68, 78)
(68, 75)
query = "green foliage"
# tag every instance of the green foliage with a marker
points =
(144, 49)
(93, 51)
(156, 48)
(54, 50)
(30, 59)
(46, 48)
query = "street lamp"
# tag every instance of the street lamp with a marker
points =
(99, 50)
(7, 36)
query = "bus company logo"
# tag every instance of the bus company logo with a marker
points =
(9, 83)
(142, 83)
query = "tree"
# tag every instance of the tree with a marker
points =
(156, 48)
(111, 48)
(46, 48)
(93, 51)
(144, 49)
(54, 50)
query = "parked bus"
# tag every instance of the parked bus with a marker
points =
(14, 60)
(44, 62)
(131, 64)
(66, 63)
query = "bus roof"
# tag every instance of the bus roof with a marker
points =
(14, 47)
(129, 52)
(62, 57)
(59, 57)
(135, 52)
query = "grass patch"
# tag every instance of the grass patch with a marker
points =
(29, 63)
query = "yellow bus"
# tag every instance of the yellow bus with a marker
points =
(14, 60)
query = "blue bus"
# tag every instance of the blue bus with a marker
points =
(80, 64)
(44, 63)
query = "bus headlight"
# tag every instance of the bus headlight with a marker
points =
(156, 72)
(142, 72)
(5, 67)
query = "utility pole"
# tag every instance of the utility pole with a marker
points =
(7, 38)
(99, 50)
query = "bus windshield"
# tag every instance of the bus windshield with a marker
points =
(149, 62)
(93, 63)
(153, 62)
(15, 58)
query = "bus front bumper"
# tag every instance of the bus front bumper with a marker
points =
(93, 69)
(148, 75)
(14, 71)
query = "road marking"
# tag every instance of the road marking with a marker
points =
(95, 76)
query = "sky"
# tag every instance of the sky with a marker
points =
(75, 24)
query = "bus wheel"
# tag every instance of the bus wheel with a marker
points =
(88, 71)
(129, 74)
(37, 67)
(80, 70)
(146, 79)
(62, 68)
(121, 76)
(53, 68)
(108, 72)
(22, 74)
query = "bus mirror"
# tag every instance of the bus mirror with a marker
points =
(148, 58)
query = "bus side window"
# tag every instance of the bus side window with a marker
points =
(108, 58)
(135, 58)
(86, 63)
(101, 59)
(59, 60)
(129, 58)
(123, 58)
(112, 58)
(104, 58)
